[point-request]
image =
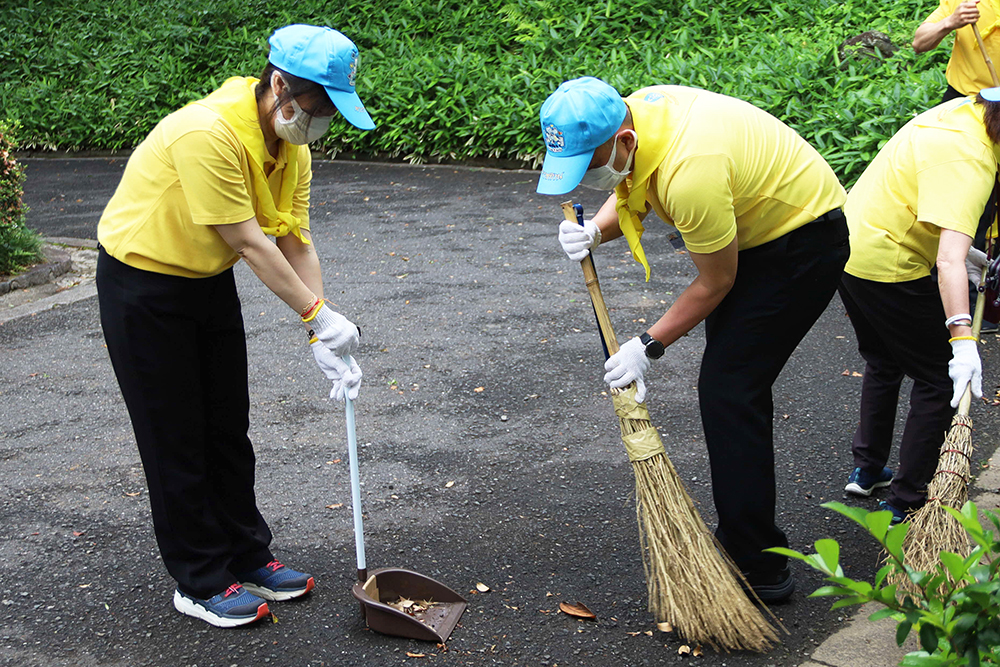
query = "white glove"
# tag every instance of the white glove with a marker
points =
(965, 367)
(346, 378)
(626, 365)
(335, 331)
(577, 241)
(975, 262)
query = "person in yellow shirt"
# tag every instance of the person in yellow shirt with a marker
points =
(759, 212)
(905, 218)
(202, 191)
(967, 73)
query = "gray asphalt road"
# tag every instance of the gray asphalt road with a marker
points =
(482, 368)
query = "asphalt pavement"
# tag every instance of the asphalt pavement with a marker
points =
(489, 454)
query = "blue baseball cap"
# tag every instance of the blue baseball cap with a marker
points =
(326, 57)
(577, 118)
(990, 94)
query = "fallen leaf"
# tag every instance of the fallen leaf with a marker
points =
(684, 650)
(335, 506)
(415, 655)
(664, 627)
(579, 610)
(84, 585)
(696, 652)
(78, 533)
(846, 372)
(633, 634)
(482, 588)
(648, 633)
(856, 374)
(133, 495)
(449, 485)
(479, 390)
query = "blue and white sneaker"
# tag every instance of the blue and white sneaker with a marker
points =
(898, 515)
(862, 483)
(230, 608)
(276, 582)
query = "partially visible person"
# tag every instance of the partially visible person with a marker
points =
(967, 72)
(905, 219)
(201, 192)
(759, 212)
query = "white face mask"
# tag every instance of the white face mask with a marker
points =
(606, 177)
(301, 128)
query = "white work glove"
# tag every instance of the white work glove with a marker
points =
(626, 365)
(335, 331)
(577, 241)
(346, 378)
(965, 367)
(975, 262)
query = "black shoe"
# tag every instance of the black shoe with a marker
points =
(772, 587)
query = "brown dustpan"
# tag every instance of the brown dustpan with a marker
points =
(432, 622)
(394, 601)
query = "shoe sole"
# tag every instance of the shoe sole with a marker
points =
(278, 596)
(188, 607)
(858, 490)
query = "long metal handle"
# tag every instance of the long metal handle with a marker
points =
(352, 453)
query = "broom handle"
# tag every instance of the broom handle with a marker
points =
(986, 56)
(594, 287)
(965, 404)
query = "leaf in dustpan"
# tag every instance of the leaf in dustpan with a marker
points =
(579, 610)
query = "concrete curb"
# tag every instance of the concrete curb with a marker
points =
(57, 263)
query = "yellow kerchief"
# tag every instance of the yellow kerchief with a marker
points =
(236, 103)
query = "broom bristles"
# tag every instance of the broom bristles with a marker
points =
(692, 584)
(932, 529)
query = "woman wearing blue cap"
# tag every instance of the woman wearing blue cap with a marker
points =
(917, 205)
(759, 211)
(203, 190)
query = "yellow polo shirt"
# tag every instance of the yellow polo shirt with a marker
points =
(936, 172)
(967, 71)
(730, 170)
(192, 172)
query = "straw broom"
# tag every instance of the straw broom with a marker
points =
(692, 584)
(932, 529)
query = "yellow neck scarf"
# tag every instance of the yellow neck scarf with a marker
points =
(236, 103)
(654, 113)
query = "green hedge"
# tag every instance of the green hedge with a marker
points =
(459, 80)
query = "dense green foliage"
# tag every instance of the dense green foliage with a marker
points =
(19, 246)
(461, 79)
(954, 608)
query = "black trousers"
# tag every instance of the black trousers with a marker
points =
(178, 348)
(900, 330)
(781, 289)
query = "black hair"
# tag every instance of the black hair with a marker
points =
(317, 101)
(991, 117)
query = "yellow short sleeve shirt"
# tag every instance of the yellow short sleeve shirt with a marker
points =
(191, 173)
(937, 172)
(735, 171)
(967, 71)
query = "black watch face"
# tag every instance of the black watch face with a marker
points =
(654, 349)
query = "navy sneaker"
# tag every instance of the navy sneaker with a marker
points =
(276, 582)
(862, 483)
(234, 606)
(898, 515)
(772, 587)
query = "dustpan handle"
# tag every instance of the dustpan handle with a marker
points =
(352, 454)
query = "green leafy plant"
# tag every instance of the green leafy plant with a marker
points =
(956, 607)
(19, 246)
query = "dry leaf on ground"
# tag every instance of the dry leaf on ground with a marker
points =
(579, 610)
(482, 588)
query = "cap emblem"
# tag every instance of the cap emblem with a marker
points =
(554, 139)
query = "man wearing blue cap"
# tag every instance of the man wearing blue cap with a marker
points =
(202, 191)
(759, 211)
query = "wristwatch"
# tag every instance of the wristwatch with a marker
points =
(654, 348)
